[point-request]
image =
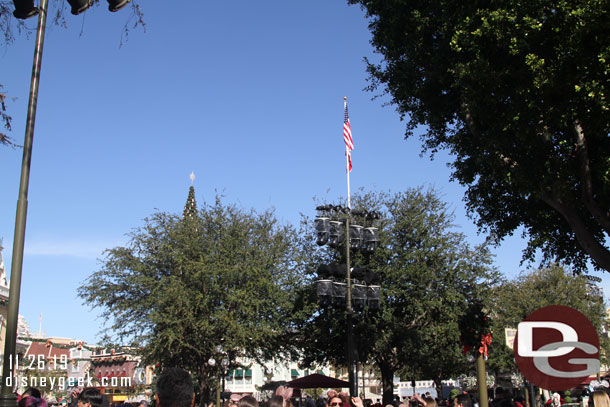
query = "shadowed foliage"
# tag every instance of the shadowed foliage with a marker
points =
(516, 92)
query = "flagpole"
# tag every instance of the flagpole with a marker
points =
(352, 353)
(349, 202)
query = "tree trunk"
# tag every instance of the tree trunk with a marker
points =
(204, 388)
(438, 385)
(387, 382)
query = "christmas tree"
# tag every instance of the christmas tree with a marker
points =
(190, 209)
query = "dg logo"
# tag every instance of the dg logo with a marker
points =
(556, 348)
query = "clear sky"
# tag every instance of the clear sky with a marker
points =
(248, 95)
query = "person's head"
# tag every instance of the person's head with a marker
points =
(175, 388)
(143, 403)
(462, 400)
(90, 397)
(276, 401)
(599, 398)
(32, 391)
(335, 401)
(247, 401)
(31, 401)
(499, 393)
(233, 400)
(430, 402)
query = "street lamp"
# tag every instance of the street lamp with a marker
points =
(335, 286)
(333, 282)
(221, 367)
(224, 363)
(24, 9)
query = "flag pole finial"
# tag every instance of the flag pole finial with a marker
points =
(344, 97)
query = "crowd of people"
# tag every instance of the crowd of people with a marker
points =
(599, 397)
(174, 388)
(87, 397)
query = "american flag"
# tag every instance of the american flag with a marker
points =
(347, 137)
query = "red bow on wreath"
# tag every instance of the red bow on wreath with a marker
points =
(485, 340)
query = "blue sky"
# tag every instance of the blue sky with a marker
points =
(248, 95)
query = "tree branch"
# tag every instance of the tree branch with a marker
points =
(585, 177)
(472, 126)
(415, 323)
(470, 121)
(599, 254)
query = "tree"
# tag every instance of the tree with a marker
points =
(516, 91)
(514, 300)
(6, 121)
(184, 285)
(429, 274)
(190, 209)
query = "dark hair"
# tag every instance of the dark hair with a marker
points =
(248, 401)
(276, 401)
(464, 400)
(32, 391)
(175, 388)
(31, 401)
(91, 395)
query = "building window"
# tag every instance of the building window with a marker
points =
(248, 376)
